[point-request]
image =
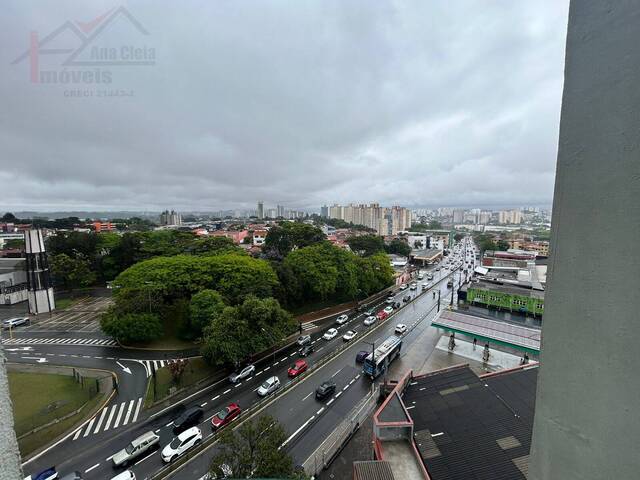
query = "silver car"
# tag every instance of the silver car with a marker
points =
(137, 447)
(269, 386)
(246, 372)
(14, 322)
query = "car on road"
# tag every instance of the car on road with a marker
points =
(72, 476)
(425, 286)
(304, 340)
(350, 335)
(388, 310)
(450, 284)
(269, 386)
(414, 286)
(14, 322)
(126, 475)
(298, 367)
(390, 299)
(330, 334)
(361, 355)
(420, 276)
(437, 269)
(180, 444)
(370, 311)
(430, 276)
(137, 447)
(246, 372)
(404, 286)
(225, 416)
(342, 319)
(382, 315)
(187, 419)
(370, 320)
(48, 474)
(407, 298)
(325, 389)
(306, 351)
(400, 328)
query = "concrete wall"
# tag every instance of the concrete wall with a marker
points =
(9, 454)
(587, 423)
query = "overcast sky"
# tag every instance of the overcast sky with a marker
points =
(292, 102)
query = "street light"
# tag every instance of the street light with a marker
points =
(274, 343)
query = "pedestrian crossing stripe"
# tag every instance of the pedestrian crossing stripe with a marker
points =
(111, 417)
(61, 341)
(308, 326)
(153, 365)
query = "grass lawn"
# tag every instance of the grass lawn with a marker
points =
(196, 370)
(41, 398)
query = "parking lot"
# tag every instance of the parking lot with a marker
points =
(82, 316)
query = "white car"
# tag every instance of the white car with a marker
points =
(425, 286)
(414, 286)
(342, 319)
(330, 334)
(182, 443)
(15, 322)
(403, 286)
(126, 475)
(350, 335)
(269, 386)
(420, 276)
(370, 320)
(401, 328)
(242, 374)
(390, 299)
(388, 310)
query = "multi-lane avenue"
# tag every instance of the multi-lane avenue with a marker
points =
(89, 449)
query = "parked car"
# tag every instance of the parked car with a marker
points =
(450, 284)
(246, 372)
(407, 298)
(397, 305)
(180, 444)
(330, 334)
(390, 299)
(225, 416)
(420, 276)
(430, 276)
(414, 286)
(361, 355)
(370, 311)
(342, 319)
(403, 286)
(382, 314)
(400, 328)
(425, 286)
(298, 367)
(137, 447)
(72, 476)
(187, 419)
(269, 386)
(325, 389)
(14, 322)
(437, 269)
(388, 310)
(350, 335)
(126, 475)
(370, 320)
(48, 474)
(304, 340)
(306, 351)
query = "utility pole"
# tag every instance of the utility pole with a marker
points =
(373, 353)
(438, 299)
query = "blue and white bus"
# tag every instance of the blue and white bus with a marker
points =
(377, 362)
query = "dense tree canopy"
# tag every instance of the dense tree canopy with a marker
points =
(132, 327)
(366, 245)
(204, 307)
(69, 272)
(399, 247)
(288, 236)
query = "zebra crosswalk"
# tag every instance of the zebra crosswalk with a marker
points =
(308, 326)
(98, 342)
(111, 417)
(151, 366)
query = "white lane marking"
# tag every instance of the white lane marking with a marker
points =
(135, 415)
(345, 387)
(203, 404)
(298, 430)
(143, 459)
(276, 363)
(226, 391)
(75, 437)
(129, 411)
(119, 416)
(168, 424)
(99, 424)
(113, 410)
(336, 372)
(88, 430)
(410, 407)
(307, 396)
(330, 401)
(338, 394)
(292, 354)
(319, 349)
(237, 385)
(215, 398)
(266, 369)
(109, 458)
(91, 468)
(320, 411)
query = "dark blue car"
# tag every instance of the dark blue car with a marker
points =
(48, 474)
(361, 356)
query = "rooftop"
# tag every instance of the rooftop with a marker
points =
(502, 288)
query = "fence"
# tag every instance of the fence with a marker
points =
(333, 444)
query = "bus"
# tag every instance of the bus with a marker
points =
(377, 362)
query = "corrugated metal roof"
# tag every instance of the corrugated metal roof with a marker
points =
(372, 470)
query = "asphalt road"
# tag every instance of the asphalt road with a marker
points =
(91, 453)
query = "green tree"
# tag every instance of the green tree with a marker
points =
(254, 451)
(398, 247)
(502, 245)
(366, 245)
(71, 272)
(458, 236)
(131, 327)
(205, 306)
(214, 246)
(288, 236)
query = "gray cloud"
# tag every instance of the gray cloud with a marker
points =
(302, 103)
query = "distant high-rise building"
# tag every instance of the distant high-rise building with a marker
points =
(385, 221)
(280, 211)
(458, 216)
(260, 211)
(510, 216)
(324, 211)
(170, 218)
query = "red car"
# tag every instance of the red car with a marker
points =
(225, 416)
(297, 368)
(382, 315)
